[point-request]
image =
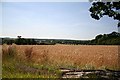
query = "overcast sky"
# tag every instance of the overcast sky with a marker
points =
(56, 20)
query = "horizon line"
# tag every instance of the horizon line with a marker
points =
(45, 38)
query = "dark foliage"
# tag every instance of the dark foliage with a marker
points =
(105, 39)
(110, 9)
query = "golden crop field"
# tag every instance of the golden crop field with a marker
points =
(71, 55)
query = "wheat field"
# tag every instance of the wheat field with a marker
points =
(97, 56)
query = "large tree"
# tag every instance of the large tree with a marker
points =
(102, 8)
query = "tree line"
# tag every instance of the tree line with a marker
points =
(102, 39)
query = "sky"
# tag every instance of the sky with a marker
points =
(52, 20)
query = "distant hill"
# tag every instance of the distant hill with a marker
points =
(102, 39)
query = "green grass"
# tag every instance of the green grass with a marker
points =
(11, 71)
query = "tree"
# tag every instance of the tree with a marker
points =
(18, 40)
(98, 36)
(19, 37)
(100, 9)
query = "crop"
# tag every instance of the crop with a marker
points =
(72, 55)
(48, 59)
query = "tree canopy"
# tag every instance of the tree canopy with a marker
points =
(110, 9)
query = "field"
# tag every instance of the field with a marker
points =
(74, 55)
(47, 59)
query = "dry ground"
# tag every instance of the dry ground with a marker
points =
(89, 56)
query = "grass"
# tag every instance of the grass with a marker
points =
(36, 61)
(12, 63)
(11, 70)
